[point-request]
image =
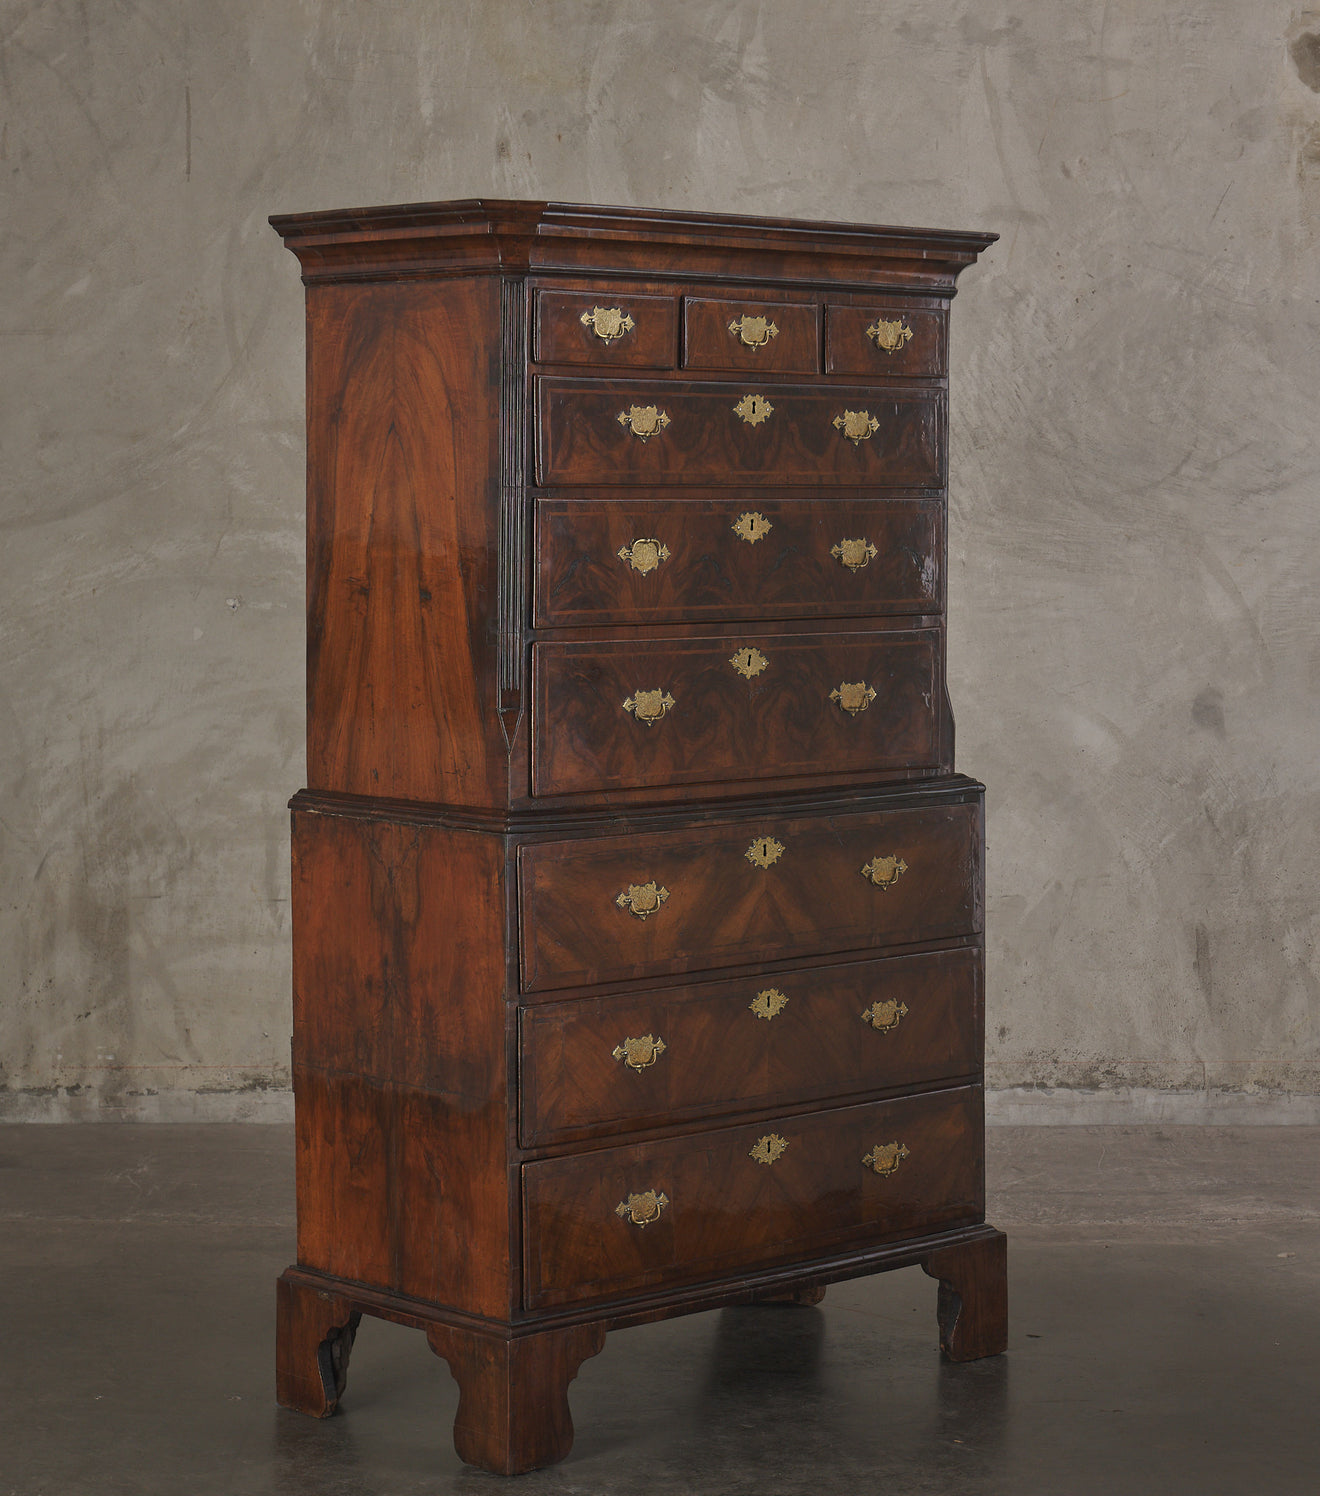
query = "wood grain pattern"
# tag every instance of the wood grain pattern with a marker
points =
(708, 344)
(725, 726)
(848, 350)
(651, 343)
(581, 441)
(711, 573)
(720, 1057)
(721, 909)
(727, 1212)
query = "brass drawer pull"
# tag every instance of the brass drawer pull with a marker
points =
(754, 332)
(748, 662)
(853, 696)
(751, 527)
(640, 1054)
(881, 1016)
(608, 322)
(649, 706)
(884, 872)
(889, 336)
(769, 1148)
(642, 899)
(765, 851)
(754, 409)
(645, 555)
(885, 1158)
(768, 1004)
(854, 554)
(856, 425)
(643, 420)
(642, 1209)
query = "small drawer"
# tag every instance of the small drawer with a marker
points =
(652, 1058)
(620, 908)
(662, 432)
(661, 560)
(654, 1215)
(888, 341)
(778, 336)
(733, 706)
(608, 328)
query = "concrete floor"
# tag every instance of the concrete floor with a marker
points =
(1165, 1338)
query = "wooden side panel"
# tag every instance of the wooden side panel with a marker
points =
(400, 1058)
(403, 476)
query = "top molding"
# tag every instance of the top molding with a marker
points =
(486, 235)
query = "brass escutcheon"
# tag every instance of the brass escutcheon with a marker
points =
(649, 706)
(882, 1016)
(853, 696)
(642, 899)
(643, 420)
(854, 554)
(752, 527)
(856, 425)
(608, 322)
(644, 555)
(755, 332)
(642, 1209)
(638, 1054)
(884, 872)
(889, 336)
(885, 1158)
(769, 1148)
(754, 409)
(765, 851)
(748, 662)
(769, 1003)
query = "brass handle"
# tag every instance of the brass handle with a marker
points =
(765, 851)
(884, 872)
(643, 420)
(642, 899)
(748, 661)
(889, 336)
(642, 1209)
(769, 1148)
(649, 706)
(608, 322)
(754, 332)
(856, 425)
(754, 409)
(644, 555)
(854, 554)
(640, 1054)
(751, 527)
(881, 1016)
(768, 1004)
(885, 1158)
(853, 696)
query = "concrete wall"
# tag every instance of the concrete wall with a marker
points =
(1135, 649)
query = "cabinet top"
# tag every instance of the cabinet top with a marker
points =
(488, 235)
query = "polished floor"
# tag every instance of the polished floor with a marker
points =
(1165, 1338)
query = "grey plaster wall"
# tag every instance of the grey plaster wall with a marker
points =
(1135, 652)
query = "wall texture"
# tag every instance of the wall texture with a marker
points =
(1135, 649)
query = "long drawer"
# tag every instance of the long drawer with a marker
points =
(659, 1214)
(820, 1032)
(661, 431)
(618, 908)
(735, 705)
(661, 559)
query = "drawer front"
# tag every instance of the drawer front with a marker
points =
(660, 432)
(751, 336)
(652, 1058)
(660, 560)
(621, 908)
(610, 327)
(654, 1215)
(886, 341)
(735, 706)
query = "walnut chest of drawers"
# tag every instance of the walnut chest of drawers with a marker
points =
(638, 934)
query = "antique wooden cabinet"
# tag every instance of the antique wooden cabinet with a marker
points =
(637, 906)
